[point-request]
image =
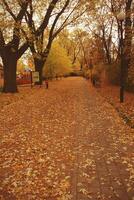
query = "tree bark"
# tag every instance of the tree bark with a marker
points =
(123, 78)
(10, 66)
(126, 46)
(39, 64)
(107, 48)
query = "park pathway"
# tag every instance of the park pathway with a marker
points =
(65, 143)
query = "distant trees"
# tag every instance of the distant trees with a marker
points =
(58, 62)
(78, 45)
(114, 36)
(20, 66)
(70, 42)
(103, 22)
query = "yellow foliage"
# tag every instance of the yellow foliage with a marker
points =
(20, 66)
(58, 63)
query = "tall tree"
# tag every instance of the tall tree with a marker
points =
(100, 23)
(60, 15)
(10, 48)
(70, 42)
(125, 30)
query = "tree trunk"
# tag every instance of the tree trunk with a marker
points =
(123, 78)
(126, 46)
(39, 64)
(107, 51)
(10, 66)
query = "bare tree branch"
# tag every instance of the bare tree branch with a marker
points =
(9, 10)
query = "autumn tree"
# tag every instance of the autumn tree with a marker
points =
(116, 34)
(101, 24)
(59, 15)
(11, 48)
(68, 40)
(20, 66)
(58, 62)
(43, 18)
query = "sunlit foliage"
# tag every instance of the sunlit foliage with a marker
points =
(58, 62)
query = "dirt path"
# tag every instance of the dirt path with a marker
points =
(65, 143)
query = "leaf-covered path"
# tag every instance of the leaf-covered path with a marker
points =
(65, 143)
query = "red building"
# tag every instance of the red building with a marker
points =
(24, 78)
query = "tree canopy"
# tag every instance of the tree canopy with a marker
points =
(58, 62)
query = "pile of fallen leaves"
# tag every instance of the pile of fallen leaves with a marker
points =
(126, 109)
(24, 91)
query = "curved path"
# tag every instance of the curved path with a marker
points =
(65, 143)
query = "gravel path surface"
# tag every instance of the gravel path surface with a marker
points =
(65, 143)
